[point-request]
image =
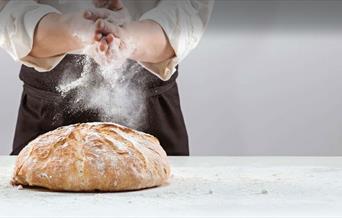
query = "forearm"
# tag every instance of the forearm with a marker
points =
(150, 41)
(53, 37)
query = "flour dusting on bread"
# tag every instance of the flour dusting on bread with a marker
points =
(91, 157)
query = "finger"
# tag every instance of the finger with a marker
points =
(90, 15)
(109, 53)
(96, 13)
(110, 4)
(103, 45)
(100, 3)
(105, 27)
(110, 38)
(117, 42)
(115, 5)
(87, 14)
(98, 36)
(100, 25)
(114, 45)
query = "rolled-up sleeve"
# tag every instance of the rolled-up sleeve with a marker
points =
(184, 23)
(18, 20)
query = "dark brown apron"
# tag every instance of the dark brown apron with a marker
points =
(43, 109)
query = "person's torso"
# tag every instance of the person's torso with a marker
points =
(70, 65)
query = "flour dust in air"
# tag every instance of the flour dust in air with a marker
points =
(107, 88)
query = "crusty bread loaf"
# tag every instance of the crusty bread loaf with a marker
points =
(92, 157)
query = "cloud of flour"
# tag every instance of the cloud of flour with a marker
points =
(109, 89)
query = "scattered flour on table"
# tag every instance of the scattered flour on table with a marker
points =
(203, 188)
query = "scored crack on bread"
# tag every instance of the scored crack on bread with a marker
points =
(92, 157)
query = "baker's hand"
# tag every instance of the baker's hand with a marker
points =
(114, 42)
(113, 11)
(83, 30)
(116, 13)
(118, 17)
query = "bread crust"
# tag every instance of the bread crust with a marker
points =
(92, 157)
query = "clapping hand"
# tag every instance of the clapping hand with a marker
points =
(109, 38)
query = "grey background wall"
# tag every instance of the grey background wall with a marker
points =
(265, 80)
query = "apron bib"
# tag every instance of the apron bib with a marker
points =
(43, 109)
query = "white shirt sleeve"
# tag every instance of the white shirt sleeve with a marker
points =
(184, 22)
(18, 20)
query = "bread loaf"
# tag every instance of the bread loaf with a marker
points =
(92, 157)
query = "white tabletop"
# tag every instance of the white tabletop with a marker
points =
(200, 186)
